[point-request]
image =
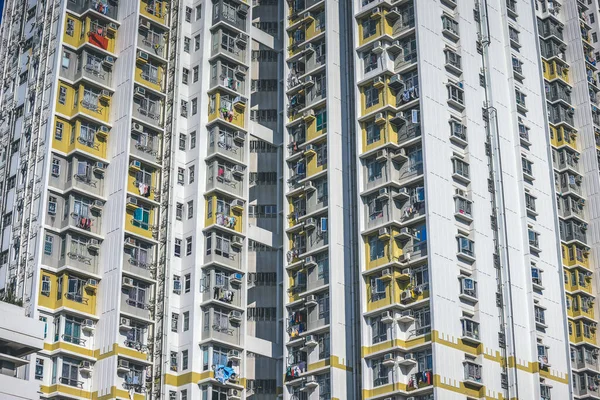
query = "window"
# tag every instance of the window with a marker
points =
(378, 330)
(468, 287)
(527, 166)
(184, 109)
(180, 176)
(62, 95)
(594, 37)
(188, 280)
(369, 27)
(188, 14)
(373, 132)
(376, 248)
(592, 18)
(374, 170)
(186, 44)
(194, 106)
(466, 246)
(48, 243)
(179, 211)
(188, 246)
(371, 96)
(195, 73)
(184, 360)
(185, 76)
(198, 12)
(176, 284)
(173, 363)
(186, 321)
(174, 322)
(190, 207)
(470, 328)
(459, 167)
(191, 174)
(540, 315)
(321, 118)
(456, 92)
(70, 26)
(449, 24)
(453, 58)
(193, 140)
(46, 285)
(530, 202)
(182, 141)
(378, 288)
(73, 330)
(177, 250)
(58, 130)
(39, 369)
(380, 372)
(534, 238)
(70, 372)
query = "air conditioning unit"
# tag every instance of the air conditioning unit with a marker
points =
(375, 10)
(138, 127)
(309, 80)
(136, 164)
(383, 193)
(236, 278)
(125, 323)
(109, 61)
(88, 325)
(386, 272)
(132, 200)
(309, 186)
(381, 155)
(85, 366)
(407, 313)
(140, 91)
(142, 55)
(103, 129)
(378, 47)
(234, 394)
(384, 231)
(309, 47)
(310, 223)
(129, 241)
(123, 365)
(237, 241)
(144, 24)
(240, 70)
(99, 166)
(92, 282)
(388, 356)
(237, 203)
(233, 354)
(235, 316)
(310, 340)
(104, 93)
(242, 39)
(127, 282)
(311, 300)
(387, 317)
(409, 356)
(239, 136)
(93, 244)
(310, 261)
(97, 205)
(112, 26)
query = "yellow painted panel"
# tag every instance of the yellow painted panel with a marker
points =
(212, 200)
(158, 13)
(129, 227)
(142, 79)
(51, 300)
(131, 184)
(235, 116)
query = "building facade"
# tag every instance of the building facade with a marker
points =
(305, 199)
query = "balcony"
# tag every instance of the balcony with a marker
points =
(230, 44)
(227, 109)
(134, 307)
(95, 68)
(234, 82)
(138, 260)
(217, 286)
(226, 177)
(221, 249)
(151, 76)
(229, 144)
(221, 327)
(86, 176)
(81, 6)
(148, 109)
(154, 10)
(139, 219)
(77, 256)
(572, 208)
(144, 147)
(557, 92)
(152, 40)
(299, 322)
(230, 12)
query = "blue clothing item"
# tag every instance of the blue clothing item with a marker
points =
(223, 373)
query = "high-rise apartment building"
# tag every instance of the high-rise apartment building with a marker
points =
(303, 199)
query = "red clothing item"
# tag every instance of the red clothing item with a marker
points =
(98, 40)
